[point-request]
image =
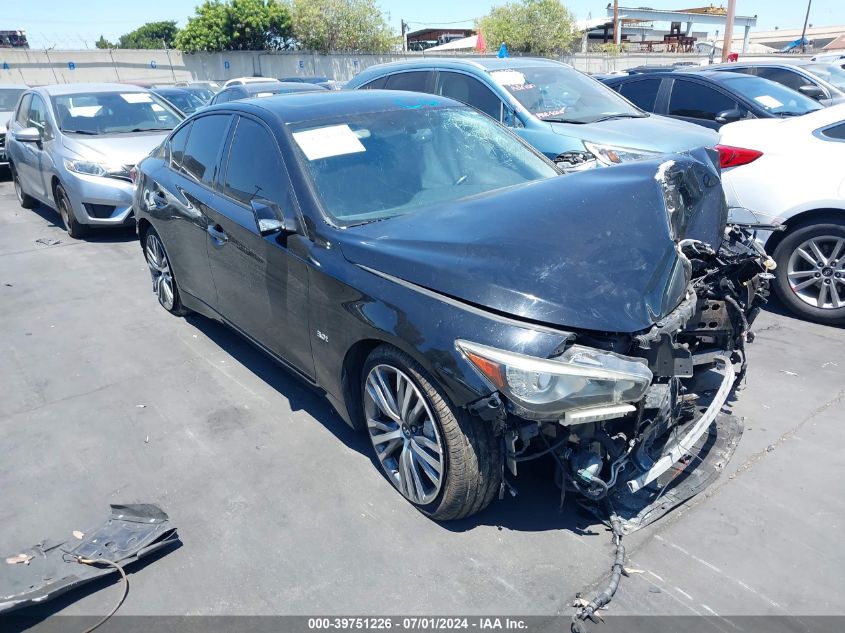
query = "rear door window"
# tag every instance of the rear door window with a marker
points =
(697, 101)
(375, 84)
(416, 81)
(784, 76)
(470, 91)
(202, 151)
(642, 93)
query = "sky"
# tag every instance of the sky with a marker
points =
(73, 24)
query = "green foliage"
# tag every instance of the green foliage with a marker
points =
(610, 48)
(104, 43)
(538, 27)
(150, 35)
(237, 25)
(341, 25)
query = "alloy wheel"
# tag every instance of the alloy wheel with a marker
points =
(816, 272)
(160, 271)
(404, 434)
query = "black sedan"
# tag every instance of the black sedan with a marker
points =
(452, 294)
(183, 99)
(711, 98)
(245, 91)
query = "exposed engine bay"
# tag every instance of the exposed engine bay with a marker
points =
(646, 457)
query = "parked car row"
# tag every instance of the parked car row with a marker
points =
(479, 262)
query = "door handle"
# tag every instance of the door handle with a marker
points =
(217, 234)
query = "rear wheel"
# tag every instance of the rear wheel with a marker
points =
(810, 276)
(164, 284)
(445, 462)
(73, 227)
(25, 200)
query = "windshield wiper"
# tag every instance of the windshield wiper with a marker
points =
(620, 115)
(80, 132)
(150, 129)
(554, 120)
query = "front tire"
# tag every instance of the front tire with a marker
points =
(447, 463)
(164, 283)
(74, 228)
(810, 274)
(25, 200)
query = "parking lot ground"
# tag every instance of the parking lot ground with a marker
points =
(106, 398)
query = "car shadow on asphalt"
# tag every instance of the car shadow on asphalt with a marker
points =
(300, 395)
(107, 235)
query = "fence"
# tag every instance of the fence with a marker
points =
(39, 67)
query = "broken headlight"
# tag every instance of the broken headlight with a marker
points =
(546, 388)
(612, 155)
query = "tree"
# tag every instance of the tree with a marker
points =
(341, 25)
(237, 25)
(150, 35)
(539, 27)
(103, 43)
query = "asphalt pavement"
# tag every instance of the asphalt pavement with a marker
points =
(106, 398)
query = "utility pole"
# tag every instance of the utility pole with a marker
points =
(804, 30)
(404, 32)
(729, 30)
(617, 36)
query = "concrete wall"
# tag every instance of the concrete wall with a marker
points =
(163, 67)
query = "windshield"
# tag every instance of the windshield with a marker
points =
(772, 97)
(558, 93)
(831, 74)
(114, 113)
(185, 101)
(377, 165)
(9, 98)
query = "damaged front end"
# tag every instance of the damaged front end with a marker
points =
(639, 419)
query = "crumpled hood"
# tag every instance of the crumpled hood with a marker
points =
(593, 251)
(654, 132)
(118, 149)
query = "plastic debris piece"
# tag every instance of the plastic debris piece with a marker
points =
(46, 241)
(78, 534)
(19, 559)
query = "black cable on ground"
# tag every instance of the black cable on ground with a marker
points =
(606, 595)
(103, 561)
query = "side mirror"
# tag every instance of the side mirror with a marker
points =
(812, 91)
(28, 135)
(269, 218)
(729, 116)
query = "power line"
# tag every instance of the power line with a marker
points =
(439, 23)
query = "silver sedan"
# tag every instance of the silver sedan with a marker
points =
(73, 147)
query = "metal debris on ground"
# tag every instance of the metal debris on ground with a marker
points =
(46, 241)
(787, 372)
(55, 567)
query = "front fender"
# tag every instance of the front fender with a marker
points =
(350, 304)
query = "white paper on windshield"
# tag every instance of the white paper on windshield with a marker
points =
(768, 101)
(265, 94)
(324, 142)
(508, 77)
(136, 97)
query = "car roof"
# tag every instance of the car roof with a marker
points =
(313, 105)
(171, 89)
(75, 89)
(272, 86)
(478, 63)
